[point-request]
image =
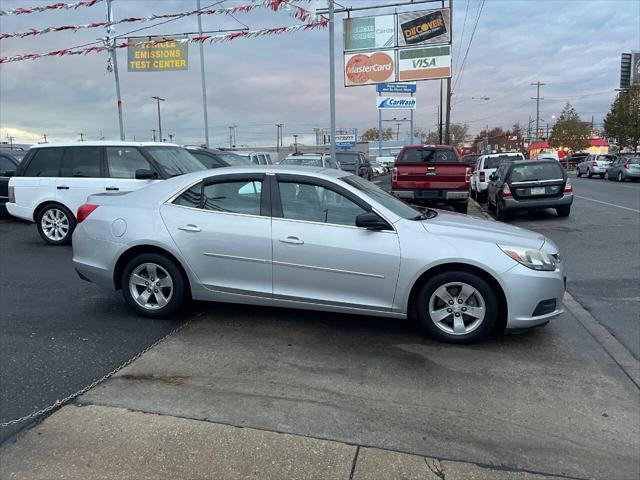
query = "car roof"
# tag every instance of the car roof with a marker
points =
(504, 154)
(105, 143)
(438, 147)
(529, 162)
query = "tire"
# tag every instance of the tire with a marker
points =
(143, 266)
(481, 196)
(602, 176)
(578, 174)
(56, 224)
(563, 211)
(500, 213)
(450, 284)
(606, 176)
(461, 207)
(620, 177)
(472, 194)
(589, 173)
(490, 206)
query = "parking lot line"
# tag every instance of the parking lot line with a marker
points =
(607, 203)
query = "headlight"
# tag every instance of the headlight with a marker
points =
(531, 258)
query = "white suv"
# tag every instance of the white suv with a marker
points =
(485, 166)
(54, 179)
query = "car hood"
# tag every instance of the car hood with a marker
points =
(458, 225)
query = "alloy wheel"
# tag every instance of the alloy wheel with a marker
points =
(457, 308)
(151, 286)
(620, 176)
(55, 224)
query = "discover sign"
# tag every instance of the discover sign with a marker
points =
(165, 56)
(396, 103)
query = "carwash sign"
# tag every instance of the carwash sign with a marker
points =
(164, 56)
(396, 103)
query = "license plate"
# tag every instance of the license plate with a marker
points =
(537, 191)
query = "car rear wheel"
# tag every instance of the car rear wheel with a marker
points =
(56, 224)
(457, 307)
(578, 174)
(620, 177)
(153, 285)
(501, 214)
(588, 173)
(563, 211)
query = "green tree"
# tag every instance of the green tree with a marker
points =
(459, 134)
(371, 134)
(569, 131)
(426, 138)
(623, 120)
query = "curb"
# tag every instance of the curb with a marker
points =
(616, 350)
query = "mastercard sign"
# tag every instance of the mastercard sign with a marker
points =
(368, 68)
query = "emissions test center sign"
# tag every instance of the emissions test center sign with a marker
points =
(166, 56)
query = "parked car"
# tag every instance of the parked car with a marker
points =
(575, 158)
(594, 165)
(548, 156)
(378, 169)
(16, 152)
(471, 159)
(355, 162)
(8, 167)
(529, 185)
(387, 161)
(432, 174)
(486, 165)
(310, 160)
(54, 179)
(318, 240)
(212, 158)
(624, 168)
(256, 158)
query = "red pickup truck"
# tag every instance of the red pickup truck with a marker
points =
(430, 174)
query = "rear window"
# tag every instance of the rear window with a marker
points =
(494, 162)
(634, 160)
(81, 162)
(45, 163)
(347, 158)
(536, 171)
(304, 161)
(428, 155)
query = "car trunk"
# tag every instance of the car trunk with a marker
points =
(432, 175)
(536, 181)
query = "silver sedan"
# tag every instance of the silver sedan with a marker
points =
(315, 239)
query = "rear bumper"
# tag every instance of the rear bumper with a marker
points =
(630, 174)
(94, 259)
(514, 204)
(20, 212)
(432, 195)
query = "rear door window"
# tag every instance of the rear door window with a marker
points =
(122, 162)
(45, 163)
(428, 155)
(81, 162)
(233, 197)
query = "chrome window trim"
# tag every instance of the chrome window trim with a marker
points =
(340, 225)
(539, 181)
(216, 211)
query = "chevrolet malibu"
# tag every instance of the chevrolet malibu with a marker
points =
(316, 239)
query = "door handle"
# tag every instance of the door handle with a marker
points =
(112, 189)
(62, 187)
(292, 240)
(189, 228)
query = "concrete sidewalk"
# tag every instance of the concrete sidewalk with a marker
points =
(95, 442)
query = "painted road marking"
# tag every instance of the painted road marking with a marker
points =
(607, 203)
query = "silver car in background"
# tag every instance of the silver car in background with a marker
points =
(316, 239)
(594, 165)
(625, 168)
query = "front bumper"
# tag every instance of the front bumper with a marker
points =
(526, 289)
(515, 204)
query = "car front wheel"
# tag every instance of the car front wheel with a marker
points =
(56, 224)
(153, 285)
(457, 307)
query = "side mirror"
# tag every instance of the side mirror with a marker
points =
(492, 176)
(145, 174)
(371, 221)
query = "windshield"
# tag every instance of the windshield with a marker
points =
(536, 171)
(494, 162)
(233, 159)
(428, 155)
(607, 158)
(347, 158)
(303, 161)
(175, 160)
(383, 198)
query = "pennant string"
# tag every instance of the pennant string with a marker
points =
(53, 6)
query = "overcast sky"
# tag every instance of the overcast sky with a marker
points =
(573, 46)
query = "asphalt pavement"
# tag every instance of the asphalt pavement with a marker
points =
(600, 241)
(58, 332)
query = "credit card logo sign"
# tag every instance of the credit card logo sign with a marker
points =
(362, 69)
(423, 28)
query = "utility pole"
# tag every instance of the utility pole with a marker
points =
(397, 131)
(153, 131)
(111, 42)
(537, 99)
(279, 136)
(447, 135)
(332, 77)
(158, 99)
(295, 142)
(171, 138)
(44, 135)
(529, 129)
(486, 139)
(11, 139)
(82, 137)
(440, 117)
(203, 81)
(232, 136)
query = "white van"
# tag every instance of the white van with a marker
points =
(485, 166)
(54, 179)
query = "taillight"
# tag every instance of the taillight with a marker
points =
(626, 165)
(568, 189)
(594, 164)
(84, 211)
(482, 176)
(467, 176)
(506, 191)
(12, 194)
(394, 174)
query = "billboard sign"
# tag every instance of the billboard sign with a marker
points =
(396, 103)
(165, 56)
(426, 27)
(400, 87)
(424, 63)
(346, 140)
(368, 33)
(368, 68)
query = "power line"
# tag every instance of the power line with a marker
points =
(466, 54)
(464, 24)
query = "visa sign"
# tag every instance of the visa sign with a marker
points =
(396, 103)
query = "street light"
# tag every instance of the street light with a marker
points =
(158, 99)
